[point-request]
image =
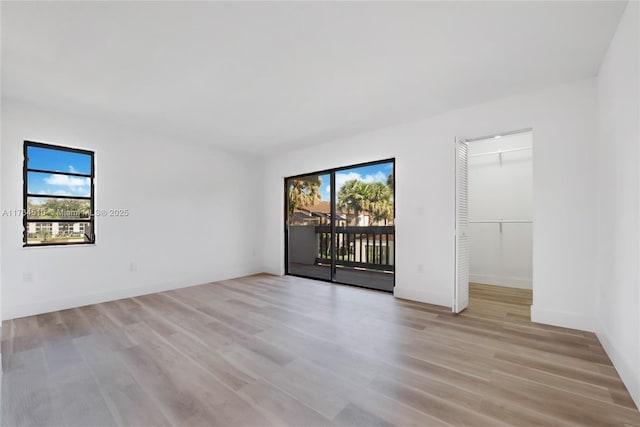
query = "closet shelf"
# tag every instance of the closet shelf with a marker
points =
(500, 152)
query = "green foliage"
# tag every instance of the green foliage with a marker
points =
(375, 198)
(380, 203)
(44, 234)
(303, 192)
(353, 196)
(59, 208)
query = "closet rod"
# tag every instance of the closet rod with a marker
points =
(502, 221)
(500, 152)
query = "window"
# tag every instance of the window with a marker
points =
(58, 195)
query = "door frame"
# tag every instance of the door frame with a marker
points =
(455, 186)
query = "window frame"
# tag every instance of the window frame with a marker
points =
(91, 240)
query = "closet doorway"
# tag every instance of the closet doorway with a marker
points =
(494, 224)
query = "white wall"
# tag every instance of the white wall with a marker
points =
(618, 322)
(501, 190)
(562, 119)
(193, 216)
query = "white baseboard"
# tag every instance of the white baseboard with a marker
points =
(274, 271)
(561, 318)
(630, 378)
(422, 296)
(511, 282)
(12, 311)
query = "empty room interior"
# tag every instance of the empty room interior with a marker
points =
(320, 213)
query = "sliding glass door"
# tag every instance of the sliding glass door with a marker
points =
(340, 225)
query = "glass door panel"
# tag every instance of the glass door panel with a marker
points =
(364, 226)
(309, 236)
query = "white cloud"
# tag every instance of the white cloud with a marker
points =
(67, 181)
(55, 193)
(341, 178)
(75, 186)
(72, 169)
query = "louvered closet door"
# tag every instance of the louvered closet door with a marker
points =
(461, 290)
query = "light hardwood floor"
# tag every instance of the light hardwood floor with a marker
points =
(266, 350)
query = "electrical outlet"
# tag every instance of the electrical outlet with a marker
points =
(133, 267)
(27, 277)
(420, 268)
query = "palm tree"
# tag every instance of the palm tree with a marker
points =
(304, 191)
(44, 234)
(380, 203)
(353, 195)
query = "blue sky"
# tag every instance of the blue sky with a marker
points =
(59, 161)
(373, 173)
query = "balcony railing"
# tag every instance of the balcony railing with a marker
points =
(363, 247)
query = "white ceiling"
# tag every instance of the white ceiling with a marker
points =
(258, 77)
